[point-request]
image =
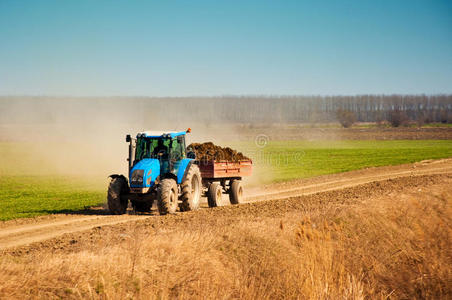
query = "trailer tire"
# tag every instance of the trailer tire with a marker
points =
(118, 186)
(167, 196)
(236, 192)
(191, 189)
(214, 195)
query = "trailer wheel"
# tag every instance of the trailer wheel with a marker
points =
(191, 189)
(236, 192)
(118, 187)
(167, 196)
(214, 195)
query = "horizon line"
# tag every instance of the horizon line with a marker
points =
(268, 96)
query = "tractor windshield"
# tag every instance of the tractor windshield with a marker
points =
(162, 148)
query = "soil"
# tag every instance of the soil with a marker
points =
(88, 228)
(209, 151)
(287, 132)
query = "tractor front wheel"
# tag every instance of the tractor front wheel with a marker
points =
(167, 196)
(118, 187)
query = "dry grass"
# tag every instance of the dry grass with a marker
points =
(396, 247)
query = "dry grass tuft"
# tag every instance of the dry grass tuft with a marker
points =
(396, 247)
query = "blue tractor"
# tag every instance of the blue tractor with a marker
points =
(159, 169)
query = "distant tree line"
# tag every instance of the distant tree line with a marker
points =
(233, 109)
(367, 108)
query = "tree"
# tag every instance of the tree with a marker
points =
(345, 117)
(397, 118)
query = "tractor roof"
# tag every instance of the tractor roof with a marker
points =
(160, 134)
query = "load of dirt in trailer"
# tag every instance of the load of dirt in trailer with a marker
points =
(210, 151)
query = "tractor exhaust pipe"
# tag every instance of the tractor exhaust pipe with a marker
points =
(129, 159)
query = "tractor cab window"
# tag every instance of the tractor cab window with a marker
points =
(162, 148)
(141, 149)
(151, 148)
(178, 148)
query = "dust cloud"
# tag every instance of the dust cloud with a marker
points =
(81, 136)
(86, 136)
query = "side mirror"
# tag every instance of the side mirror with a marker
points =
(128, 138)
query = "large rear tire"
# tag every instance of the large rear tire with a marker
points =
(118, 187)
(236, 192)
(167, 196)
(215, 195)
(191, 189)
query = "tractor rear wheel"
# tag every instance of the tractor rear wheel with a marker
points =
(215, 195)
(118, 187)
(236, 192)
(167, 196)
(191, 189)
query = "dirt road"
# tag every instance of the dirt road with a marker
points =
(26, 231)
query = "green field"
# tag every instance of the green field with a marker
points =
(27, 196)
(286, 160)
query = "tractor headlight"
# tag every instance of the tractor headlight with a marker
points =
(137, 177)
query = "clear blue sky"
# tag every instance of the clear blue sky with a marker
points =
(182, 48)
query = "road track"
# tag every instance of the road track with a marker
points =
(18, 233)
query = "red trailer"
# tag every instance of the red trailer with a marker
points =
(224, 177)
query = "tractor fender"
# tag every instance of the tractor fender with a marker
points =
(113, 176)
(183, 169)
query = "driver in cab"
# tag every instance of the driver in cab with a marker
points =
(161, 151)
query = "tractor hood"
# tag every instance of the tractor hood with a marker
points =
(144, 173)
